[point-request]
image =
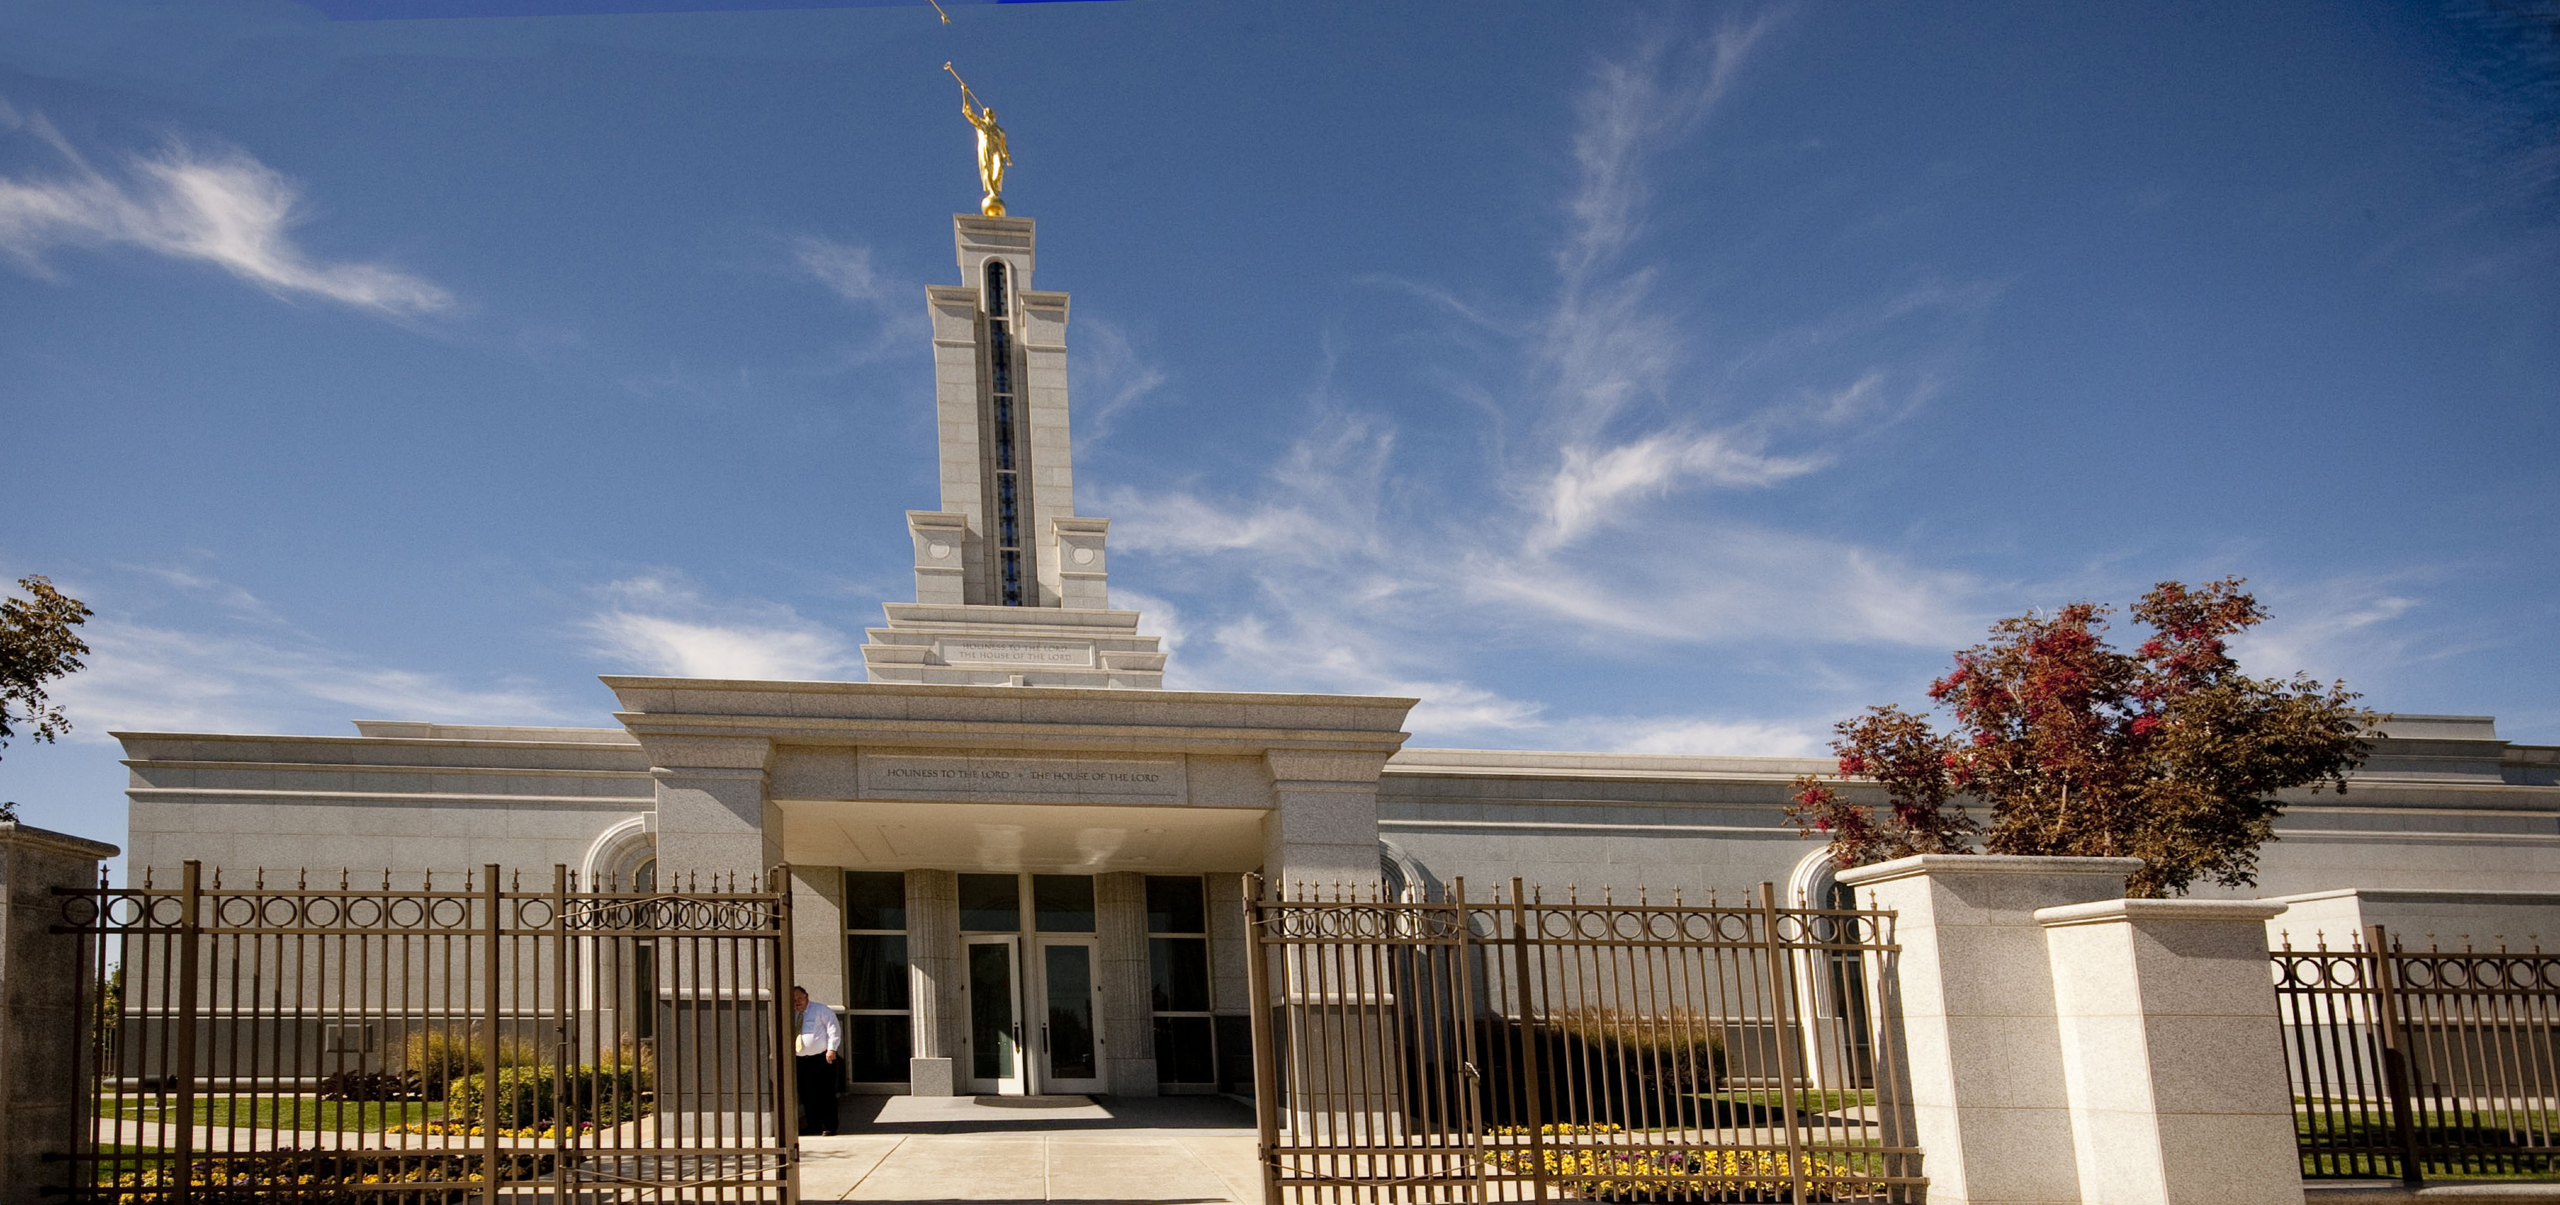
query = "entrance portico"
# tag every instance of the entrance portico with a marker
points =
(1143, 805)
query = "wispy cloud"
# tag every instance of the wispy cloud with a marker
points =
(1582, 520)
(215, 206)
(1111, 373)
(663, 624)
(894, 308)
(1684, 735)
(845, 268)
(1592, 483)
(245, 668)
(2365, 629)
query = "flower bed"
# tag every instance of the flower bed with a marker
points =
(1601, 1172)
(249, 1179)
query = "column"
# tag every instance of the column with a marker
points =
(2172, 1052)
(1128, 984)
(716, 828)
(933, 981)
(1320, 842)
(1973, 992)
(1228, 993)
(1325, 830)
(44, 1031)
(714, 819)
(817, 931)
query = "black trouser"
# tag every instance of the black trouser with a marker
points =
(817, 1085)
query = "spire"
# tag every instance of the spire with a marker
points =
(1012, 586)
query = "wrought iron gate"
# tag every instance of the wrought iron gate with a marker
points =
(572, 1042)
(1457, 1050)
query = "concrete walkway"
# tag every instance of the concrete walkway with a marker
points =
(1172, 1150)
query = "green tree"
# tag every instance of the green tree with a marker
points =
(37, 645)
(2168, 754)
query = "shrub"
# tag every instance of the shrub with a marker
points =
(1605, 1066)
(438, 1055)
(540, 1096)
(372, 1085)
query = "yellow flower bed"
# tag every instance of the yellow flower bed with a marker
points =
(457, 1129)
(252, 1178)
(1606, 1173)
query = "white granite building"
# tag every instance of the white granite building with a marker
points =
(1012, 805)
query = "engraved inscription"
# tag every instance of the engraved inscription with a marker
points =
(893, 776)
(1015, 652)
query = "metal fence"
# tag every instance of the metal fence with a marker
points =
(471, 1042)
(1452, 1049)
(2418, 1063)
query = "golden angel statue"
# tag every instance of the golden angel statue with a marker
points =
(993, 157)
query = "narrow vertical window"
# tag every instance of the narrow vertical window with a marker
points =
(875, 971)
(1003, 455)
(1178, 974)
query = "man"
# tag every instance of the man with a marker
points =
(821, 1041)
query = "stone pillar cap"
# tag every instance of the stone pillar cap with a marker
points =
(2103, 911)
(1981, 864)
(14, 833)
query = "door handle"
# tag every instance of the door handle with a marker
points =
(1044, 1037)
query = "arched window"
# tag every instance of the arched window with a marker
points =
(995, 288)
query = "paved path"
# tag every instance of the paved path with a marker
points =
(1175, 1150)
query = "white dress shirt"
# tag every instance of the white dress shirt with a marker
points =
(820, 1032)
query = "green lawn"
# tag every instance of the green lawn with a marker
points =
(279, 1112)
(2486, 1131)
(109, 1166)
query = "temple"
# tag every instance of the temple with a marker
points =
(1016, 859)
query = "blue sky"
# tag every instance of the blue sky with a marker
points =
(1666, 378)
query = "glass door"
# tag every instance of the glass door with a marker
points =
(995, 1056)
(1069, 1047)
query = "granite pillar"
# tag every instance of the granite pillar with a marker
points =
(1973, 996)
(1324, 833)
(817, 932)
(44, 1021)
(715, 820)
(2173, 1053)
(1128, 986)
(934, 969)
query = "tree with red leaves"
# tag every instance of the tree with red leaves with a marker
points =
(2168, 754)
